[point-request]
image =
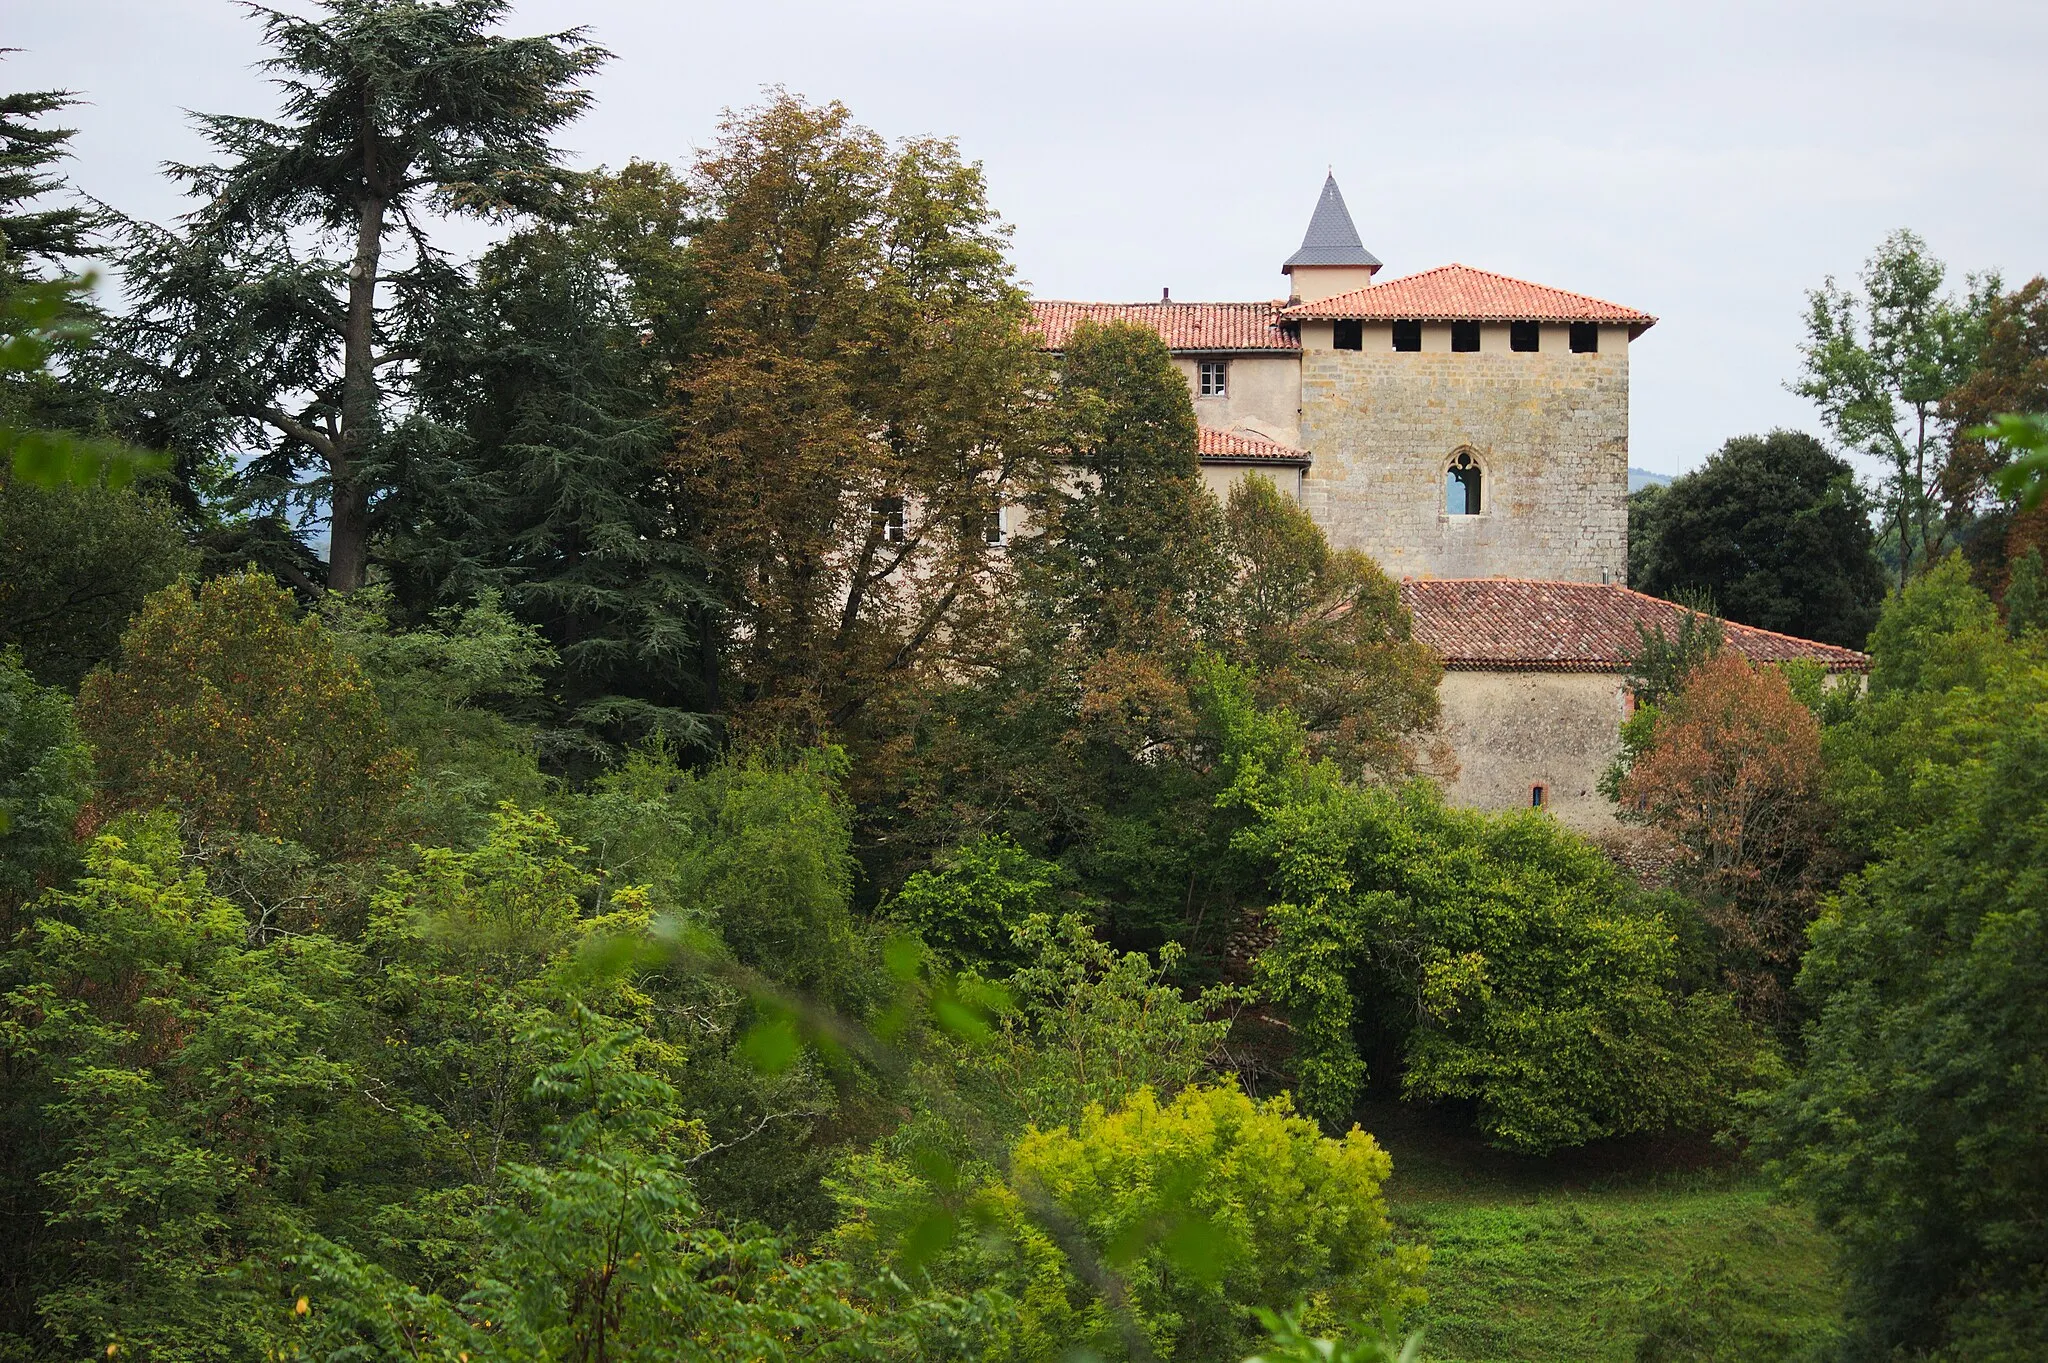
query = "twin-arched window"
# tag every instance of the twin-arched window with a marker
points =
(1461, 485)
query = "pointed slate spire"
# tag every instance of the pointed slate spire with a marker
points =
(1331, 239)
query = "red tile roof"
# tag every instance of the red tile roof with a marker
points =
(1239, 447)
(1183, 326)
(1459, 293)
(1496, 624)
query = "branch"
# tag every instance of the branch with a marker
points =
(297, 430)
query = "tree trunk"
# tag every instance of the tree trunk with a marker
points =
(349, 504)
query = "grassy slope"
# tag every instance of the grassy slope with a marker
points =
(1655, 1253)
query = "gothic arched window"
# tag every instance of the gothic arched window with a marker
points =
(1461, 485)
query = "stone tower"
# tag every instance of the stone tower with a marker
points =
(1462, 423)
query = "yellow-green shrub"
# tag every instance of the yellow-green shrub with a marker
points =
(1208, 1207)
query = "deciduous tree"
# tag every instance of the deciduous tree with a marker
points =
(855, 405)
(1879, 360)
(1775, 530)
(1732, 774)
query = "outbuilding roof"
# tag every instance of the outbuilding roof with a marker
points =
(1331, 239)
(1183, 326)
(1460, 293)
(1241, 447)
(1504, 624)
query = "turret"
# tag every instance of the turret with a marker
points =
(1332, 260)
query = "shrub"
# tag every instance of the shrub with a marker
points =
(969, 906)
(1208, 1207)
(1502, 958)
(245, 718)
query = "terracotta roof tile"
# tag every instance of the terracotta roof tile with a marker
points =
(1459, 293)
(1183, 326)
(1512, 624)
(1241, 447)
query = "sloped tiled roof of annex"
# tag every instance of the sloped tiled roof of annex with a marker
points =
(1460, 293)
(1183, 326)
(1500, 624)
(1241, 447)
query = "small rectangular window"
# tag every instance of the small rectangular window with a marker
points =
(1407, 335)
(1539, 794)
(1524, 336)
(1214, 375)
(1348, 335)
(1585, 338)
(995, 528)
(889, 511)
(1465, 336)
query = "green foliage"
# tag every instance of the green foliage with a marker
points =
(1937, 656)
(247, 719)
(2026, 594)
(756, 846)
(76, 563)
(37, 321)
(546, 486)
(1916, 1127)
(199, 1093)
(1879, 361)
(1326, 635)
(45, 775)
(1081, 1023)
(1501, 958)
(444, 690)
(1288, 1342)
(1130, 553)
(1206, 1206)
(969, 906)
(1775, 529)
(603, 1255)
(2024, 478)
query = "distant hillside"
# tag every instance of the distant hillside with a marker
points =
(1638, 479)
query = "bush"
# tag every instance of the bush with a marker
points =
(1209, 1206)
(969, 906)
(245, 718)
(1503, 959)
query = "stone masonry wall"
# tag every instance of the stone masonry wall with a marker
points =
(1549, 430)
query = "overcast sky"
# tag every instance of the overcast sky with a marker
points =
(1705, 162)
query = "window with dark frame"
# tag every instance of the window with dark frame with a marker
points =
(995, 530)
(1348, 334)
(1539, 795)
(1461, 485)
(1407, 335)
(1525, 336)
(1585, 338)
(889, 511)
(1465, 336)
(1214, 380)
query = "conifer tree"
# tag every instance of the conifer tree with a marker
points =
(548, 484)
(278, 319)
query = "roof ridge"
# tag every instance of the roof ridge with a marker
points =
(1491, 274)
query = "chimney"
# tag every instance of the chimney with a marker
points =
(1166, 295)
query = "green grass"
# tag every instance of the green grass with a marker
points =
(1658, 1253)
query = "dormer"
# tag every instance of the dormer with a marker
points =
(1332, 260)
